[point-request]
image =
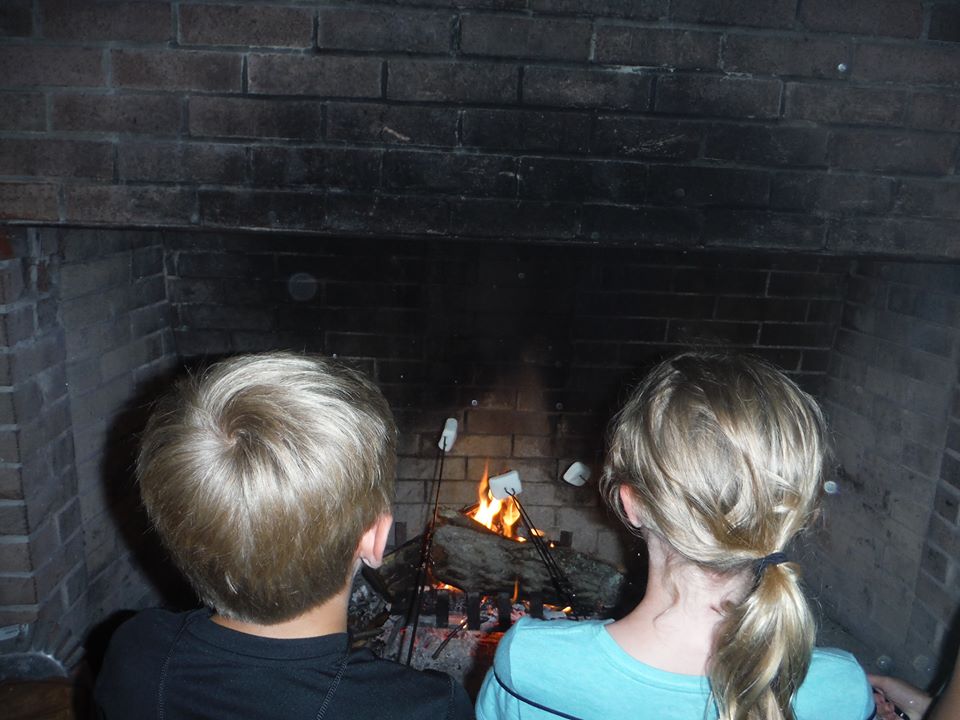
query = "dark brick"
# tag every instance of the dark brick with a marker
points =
(28, 201)
(740, 228)
(774, 14)
(240, 117)
(724, 96)
(253, 209)
(945, 23)
(586, 88)
(683, 49)
(182, 162)
(380, 216)
(916, 239)
(525, 37)
(929, 198)
(451, 174)
(431, 81)
(640, 224)
(805, 285)
(391, 31)
(17, 325)
(16, 18)
(712, 332)
(225, 317)
(772, 146)
(221, 265)
(633, 9)
(832, 193)
(845, 105)
(392, 124)
(147, 114)
(645, 138)
(582, 180)
(710, 280)
(526, 130)
(176, 70)
(357, 345)
(114, 21)
(60, 158)
(935, 111)
(805, 56)
(897, 18)
(326, 167)
(314, 75)
(252, 26)
(921, 64)
(500, 218)
(761, 309)
(687, 186)
(134, 205)
(32, 66)
(796, 334)
(22, 111)
(892, 152)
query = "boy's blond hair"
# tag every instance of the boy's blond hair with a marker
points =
(262, 474)
(724, 455)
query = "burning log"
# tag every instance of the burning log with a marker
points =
(468, 556)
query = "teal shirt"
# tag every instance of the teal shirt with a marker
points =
(578, 669)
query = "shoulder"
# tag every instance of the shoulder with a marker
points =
(835, 684)
(542, 644)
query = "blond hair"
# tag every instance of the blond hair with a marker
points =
(725, 455)
(262, 474)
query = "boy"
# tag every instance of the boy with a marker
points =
(269, 480)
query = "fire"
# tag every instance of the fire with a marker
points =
(498, 515)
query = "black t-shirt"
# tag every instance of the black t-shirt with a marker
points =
(168, 666)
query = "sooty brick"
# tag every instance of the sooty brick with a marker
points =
(16, 18)
(934, 239)
(632, 9)
(182, 162)
(723, 96)
(22, 111)
(892, 152)
(176, 70)
(251, 26)
(392, 124)
(314, 75)
(617, 223)
(586, 88)
(929, 198)
(921, 64)
(525, 37)
(832, 104)
(897, 18)
(682, 49)
(32, 66)
(435, 81)
(745, 228)
(580, 180)
(408, 31)
(450, 174)
(805, 56)
(387, 215)
(146, 114)
(252, 209)
(59, 158)
(935, 111)
(114, 21)
(859, 194)
(28, 201)
(945, 23)
(496, 218)
(771, 146)
(647, 138)
(708, 186)
(773, 14)
(334, 168)
(240, 117)
(563, 132)
(142, 205)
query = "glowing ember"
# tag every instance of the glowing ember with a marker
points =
(497, 515)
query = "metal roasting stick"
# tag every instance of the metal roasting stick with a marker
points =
(557, 577)
(450, 635)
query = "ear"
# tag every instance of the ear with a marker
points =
(374, 540)
(630, 506)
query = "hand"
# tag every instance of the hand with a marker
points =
(887, 691)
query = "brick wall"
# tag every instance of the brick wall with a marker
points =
(531, 347)
(886, 562)
(811, 126)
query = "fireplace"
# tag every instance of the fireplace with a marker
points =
(503, 212)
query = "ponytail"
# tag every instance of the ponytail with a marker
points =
(762, 649)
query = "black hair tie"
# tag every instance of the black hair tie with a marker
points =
(772, 559)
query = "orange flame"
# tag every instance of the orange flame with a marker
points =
(497, 515)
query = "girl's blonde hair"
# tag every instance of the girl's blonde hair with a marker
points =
(724, 455)
(262, 474)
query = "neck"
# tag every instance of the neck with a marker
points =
(325, 619)
(674, 625)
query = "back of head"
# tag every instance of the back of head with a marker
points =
(724, 455)
(262, 474)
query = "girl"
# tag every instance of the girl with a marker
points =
(716, 462)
